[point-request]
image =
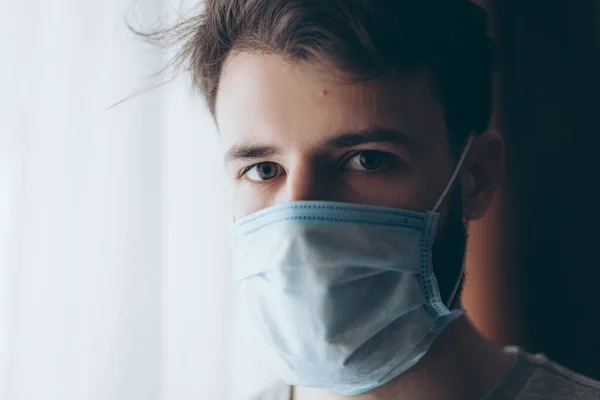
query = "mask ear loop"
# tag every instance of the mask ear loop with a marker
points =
(457, 169)
(461, 276)
(459, 164)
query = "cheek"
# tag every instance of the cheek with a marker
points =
(247, 200)
(396, 190)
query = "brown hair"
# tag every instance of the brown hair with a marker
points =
(363, 38)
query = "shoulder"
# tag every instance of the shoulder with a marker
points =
(277, 391)
(551, 381)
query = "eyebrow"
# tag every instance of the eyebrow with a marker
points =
(247, 151)
(372, 135)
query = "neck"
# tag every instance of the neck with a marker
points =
(461, 364)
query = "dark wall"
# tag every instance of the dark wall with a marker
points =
(549, 113)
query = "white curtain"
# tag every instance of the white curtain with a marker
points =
(114, 275)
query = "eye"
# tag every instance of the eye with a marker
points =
(263, 171)
(370, 160)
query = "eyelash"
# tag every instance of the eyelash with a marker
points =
(249, 167)
(390, 158)
(253, 183)
(343, 164)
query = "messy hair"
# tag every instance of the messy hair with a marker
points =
(361, 38)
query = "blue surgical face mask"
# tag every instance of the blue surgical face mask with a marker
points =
(343, 294)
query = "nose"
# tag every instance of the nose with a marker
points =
(306, 181)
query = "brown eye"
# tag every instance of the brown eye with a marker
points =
(370, 160)
(263, 171)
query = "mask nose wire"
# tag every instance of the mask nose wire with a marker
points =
(459, 164)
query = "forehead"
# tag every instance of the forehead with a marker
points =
(266, 97)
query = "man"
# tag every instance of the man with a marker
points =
(356, 139)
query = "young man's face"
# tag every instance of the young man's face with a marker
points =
(293, 133)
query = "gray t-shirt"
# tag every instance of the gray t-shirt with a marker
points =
(533, 377)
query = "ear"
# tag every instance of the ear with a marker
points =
(482, 173)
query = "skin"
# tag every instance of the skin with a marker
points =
(292, 131)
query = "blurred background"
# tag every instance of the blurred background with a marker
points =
(534, 265)
(114, 279)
